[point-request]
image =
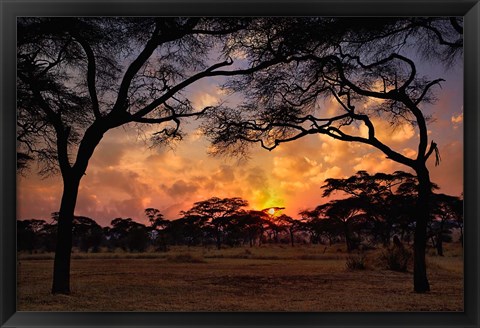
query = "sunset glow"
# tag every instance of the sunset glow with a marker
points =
(125, 175)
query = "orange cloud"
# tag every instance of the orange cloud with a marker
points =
(125, 176)
(457, 118)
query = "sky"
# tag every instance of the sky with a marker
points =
(125, 175)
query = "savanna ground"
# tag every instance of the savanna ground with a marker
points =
(267, 278)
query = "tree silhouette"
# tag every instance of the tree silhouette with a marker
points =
(154, 217)
(366, 74)
(447, 211)
(129, 235)
(192, 229)
(158, 225)
(87, 234)
(29, 234)
(253, 225)
(382, 196)
(216, 213)
(290, 225)
(81, 77)
(319, 226)
(349, 215)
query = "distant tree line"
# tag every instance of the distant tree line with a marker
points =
(376, 208)
(379, 207)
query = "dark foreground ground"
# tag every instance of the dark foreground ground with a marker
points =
(275, 278)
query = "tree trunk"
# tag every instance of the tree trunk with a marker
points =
(420, 281)
(71, 180)
(439, 244)
(347, 238)
(61, 265)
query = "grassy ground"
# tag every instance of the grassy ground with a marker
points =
(273, 278)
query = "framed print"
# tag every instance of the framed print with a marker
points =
(222, 163)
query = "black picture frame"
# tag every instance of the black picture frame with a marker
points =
(11, 9)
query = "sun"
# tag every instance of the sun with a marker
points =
(273, 211)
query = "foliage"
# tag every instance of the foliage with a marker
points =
(353, 220)
(128, 234)
(396, 258)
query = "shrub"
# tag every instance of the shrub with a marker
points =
(396, 258)
(355, 262)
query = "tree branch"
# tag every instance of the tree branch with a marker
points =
(169, 118)
(441, 40)
(425, 90)
(393, 56)
(91, 70)
(456, 25)
(211, 71)
(133, 69)
(433, 145)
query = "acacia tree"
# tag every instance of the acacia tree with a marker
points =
(158, 224)
(447, 210)
(29, 234)
(129, 234)
(346, 214)
(365, 71)
(78, 78)
(289, 224)
(253, 224)
(216, 213)
(381, 196)
(87, 233)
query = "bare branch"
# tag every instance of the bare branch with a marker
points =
(425, 90)
(91, 71)
(174, 116)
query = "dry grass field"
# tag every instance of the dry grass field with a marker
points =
(269, 278)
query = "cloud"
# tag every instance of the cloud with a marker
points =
(392, 134)
(375, 162)
(224, 173)
(256, 177)
(109, 153)
(457, 118)
(180, 188)
(38, 198)
(125, 176)
(204, 100)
